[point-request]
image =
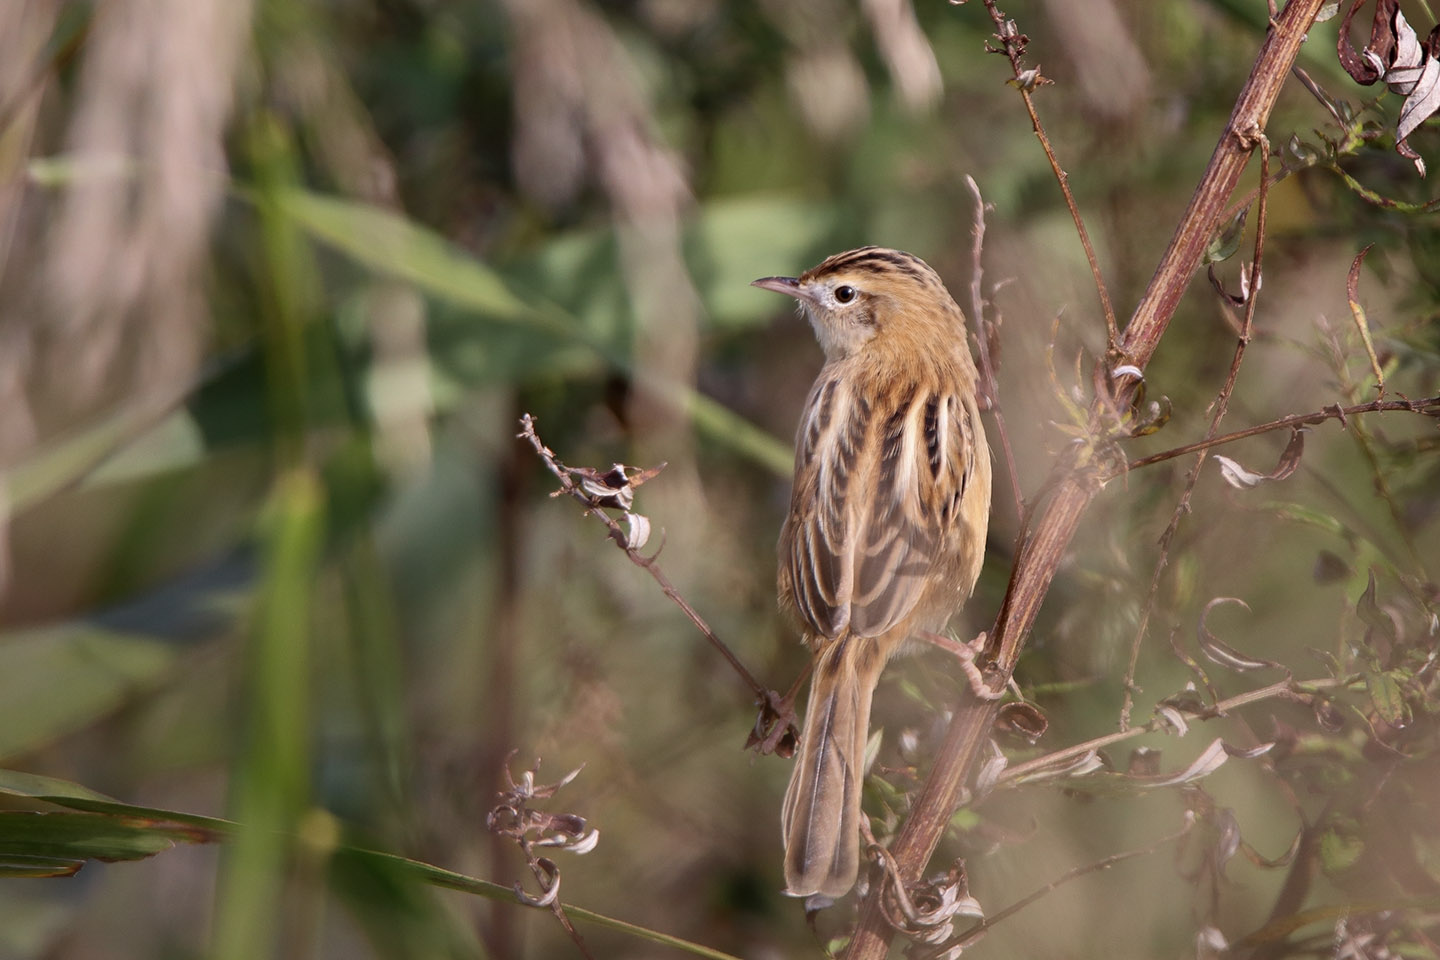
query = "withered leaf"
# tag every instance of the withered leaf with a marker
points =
(1210, 760)
(1240, 477)
(637, 531)
(1284, 860)
(1219, 652)
(1024, 720)
(1395, 54)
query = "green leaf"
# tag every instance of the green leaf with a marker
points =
(1388, 698)
(64, 462)
(31, 841)
(55, 681)
(14, 783)
(391, 244)
(270, 776)
(1226, 240)
(1298, 513)
(1339, 852)
(60, 842)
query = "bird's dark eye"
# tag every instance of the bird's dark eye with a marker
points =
(844, 293)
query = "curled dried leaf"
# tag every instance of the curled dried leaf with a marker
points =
(925, 913)
(1221, 653)
(637, 530)
(1248, 753)
(549, 876)
(1076, 766)
(1395, 54)
(1023, 720)
(1236, 475)
(614, 488)
(1241, 478)
(1284, 860)
(1170, 717)
(1028, 80)
(1212, 758)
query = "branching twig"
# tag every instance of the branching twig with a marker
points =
(1251, 293)
(1280, 689)
(1429, 406)
(775, 729)
(1039, 554)
(1026, 80)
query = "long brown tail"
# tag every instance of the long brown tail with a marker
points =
(821, 816)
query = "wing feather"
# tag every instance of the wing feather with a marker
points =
(867, 534)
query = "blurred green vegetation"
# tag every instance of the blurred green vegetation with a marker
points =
(284, 597)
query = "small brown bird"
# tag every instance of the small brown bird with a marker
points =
(887, 523)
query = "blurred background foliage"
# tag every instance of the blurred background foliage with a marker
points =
(279, 278)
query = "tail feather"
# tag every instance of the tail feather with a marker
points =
(821, 815)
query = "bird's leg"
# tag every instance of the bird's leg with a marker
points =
(967, 654)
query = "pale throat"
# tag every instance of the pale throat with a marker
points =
(838, 338)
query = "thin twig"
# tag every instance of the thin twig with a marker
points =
(983, 327)
(974, 934)
(1220, 406)
(777, 715)
(617, 534)
(1429, 406)
(1363, 440)
(1287, 688)
(1013, 46)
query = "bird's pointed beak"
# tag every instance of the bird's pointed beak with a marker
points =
(786, 285)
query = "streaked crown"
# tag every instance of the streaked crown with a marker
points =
(851, 297)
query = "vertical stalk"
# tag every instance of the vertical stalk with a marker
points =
(1057, 518)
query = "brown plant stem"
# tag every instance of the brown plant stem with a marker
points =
(1040, 552)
